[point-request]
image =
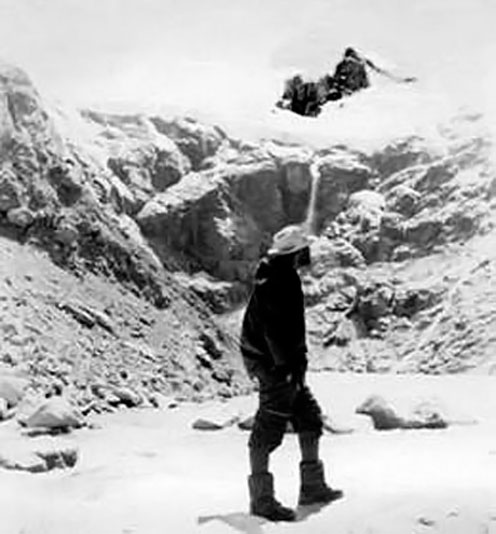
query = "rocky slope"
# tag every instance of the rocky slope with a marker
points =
(86, 304)
(138, 231)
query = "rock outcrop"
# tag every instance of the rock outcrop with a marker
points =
(70, 188)
(410, 415)
(151, 225)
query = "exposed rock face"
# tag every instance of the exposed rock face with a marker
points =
(71, 188)
(221, 219)
(144, 161)
(176, 214)
(197, 141)
(342, 173)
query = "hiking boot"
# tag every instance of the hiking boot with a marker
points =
(262, 500)
(313, 489)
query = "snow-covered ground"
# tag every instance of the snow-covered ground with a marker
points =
(368, 120)
(149, 472)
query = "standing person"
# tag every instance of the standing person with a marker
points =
(274, 351)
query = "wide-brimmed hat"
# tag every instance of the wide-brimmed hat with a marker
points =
(290, 239)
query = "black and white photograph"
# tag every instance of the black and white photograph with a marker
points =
(247, 267)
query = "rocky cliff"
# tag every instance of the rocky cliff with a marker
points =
(87, 305)
(159, 222)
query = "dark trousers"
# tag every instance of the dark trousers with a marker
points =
(281, 402)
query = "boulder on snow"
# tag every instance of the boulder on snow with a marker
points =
(58, 456)
(217, 418)
(12, 389)
(385, 415)
(56, 413)
(40, 458)
(22, 460)
(127, 396)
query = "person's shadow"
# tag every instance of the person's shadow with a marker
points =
(240, 521)
(251, 524)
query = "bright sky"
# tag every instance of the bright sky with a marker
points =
(233, 54)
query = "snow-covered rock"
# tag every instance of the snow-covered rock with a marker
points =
(216, 418)
(38, 457)
(385, 415)
(12, 389)
(54, 413)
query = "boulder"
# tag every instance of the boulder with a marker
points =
(403, 199)
(382, 412)
(10, 191)
(87, 315)
(217, 418)
(127, 396)
(54, 413)
(12, 389)
(386, 416)
(58, 456)
(38, 458)
(21, 217)
(22, 460)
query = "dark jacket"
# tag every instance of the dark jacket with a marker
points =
(273, 330)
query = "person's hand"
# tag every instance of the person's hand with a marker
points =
(299, 372)
(282, 373)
